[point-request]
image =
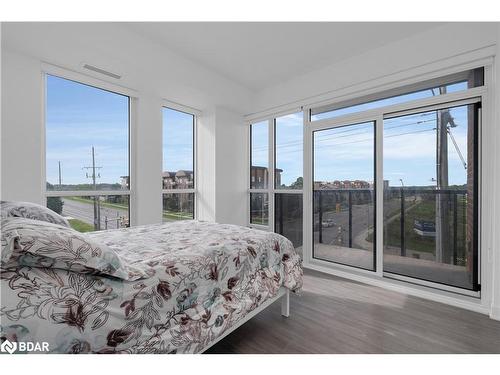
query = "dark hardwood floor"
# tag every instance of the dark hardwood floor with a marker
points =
(335, 315)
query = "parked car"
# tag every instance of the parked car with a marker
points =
(328, 223)
(424, 228)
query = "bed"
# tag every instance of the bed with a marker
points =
(166, 288)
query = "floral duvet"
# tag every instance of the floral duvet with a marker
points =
(202, 279)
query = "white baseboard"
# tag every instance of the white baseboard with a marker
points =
(464, 302)
(495, 312)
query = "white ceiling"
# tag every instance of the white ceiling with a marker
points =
(259, 55)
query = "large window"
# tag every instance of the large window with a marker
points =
(288, 217)
(87, 154)
(178, 176)
(392, 180)
(259, 171)
(288, 176)
(395, 183)
(430, 172)
(288, 132)
(259, 208)
(343, 194)
(276, 192)
(428, 89)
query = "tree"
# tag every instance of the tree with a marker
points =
(298, 184)
(55, 204)
(171, 202)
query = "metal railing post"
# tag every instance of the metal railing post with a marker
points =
(320, 203)
(350, 219)
(280, 216)
(402, 223)
(455, 227)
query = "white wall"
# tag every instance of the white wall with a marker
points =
(223, 168)
(206, 165)
(390, 62)
(495, 259)
(146, 203)
(145, 65)
(440, 48)
(231, 167)
(21, 128)
(156, 73)
(149, 69)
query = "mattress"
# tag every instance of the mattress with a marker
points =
(205, 278)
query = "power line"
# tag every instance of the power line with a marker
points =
(364, 140)
(355, 141)
(331, 137)
(334, 137)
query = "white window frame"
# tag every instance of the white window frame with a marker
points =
(471, 299)
(271, 190)
(196, 114)
(479, 302)
(48, 69)
(270, 177)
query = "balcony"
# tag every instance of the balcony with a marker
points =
(428, 233)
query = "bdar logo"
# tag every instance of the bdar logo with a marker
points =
(8, 346)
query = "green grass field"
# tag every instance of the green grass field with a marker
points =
(101, 203)
(423, 210)
(259, 220)
(80, 226)
(172, 215)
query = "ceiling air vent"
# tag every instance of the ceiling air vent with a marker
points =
(101, 71)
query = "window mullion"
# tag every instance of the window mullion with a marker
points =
(272, 169)
(379, 195)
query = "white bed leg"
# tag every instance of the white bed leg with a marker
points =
(285, 304)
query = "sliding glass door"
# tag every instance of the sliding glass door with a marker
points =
(430, 190)
(343, 195)
(384, 185)
(428, 194)
(393, 184)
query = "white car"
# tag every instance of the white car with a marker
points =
(328, 223)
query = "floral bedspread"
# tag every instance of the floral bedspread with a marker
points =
(204, 278)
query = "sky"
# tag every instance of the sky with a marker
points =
(410, 149)
(347, 153)
(80, 116)
(289, 141)
(288, 138)
(177, 140)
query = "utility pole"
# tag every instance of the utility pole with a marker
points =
(443, 118)
(60, 175)
(402, 223)
(93, 176)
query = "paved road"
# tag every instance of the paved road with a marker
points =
(338, 233)
(85, 212)
(362, 222)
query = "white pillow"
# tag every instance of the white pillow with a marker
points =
(32, 211)
(33, 243)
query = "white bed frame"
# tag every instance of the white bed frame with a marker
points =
(283, 294)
